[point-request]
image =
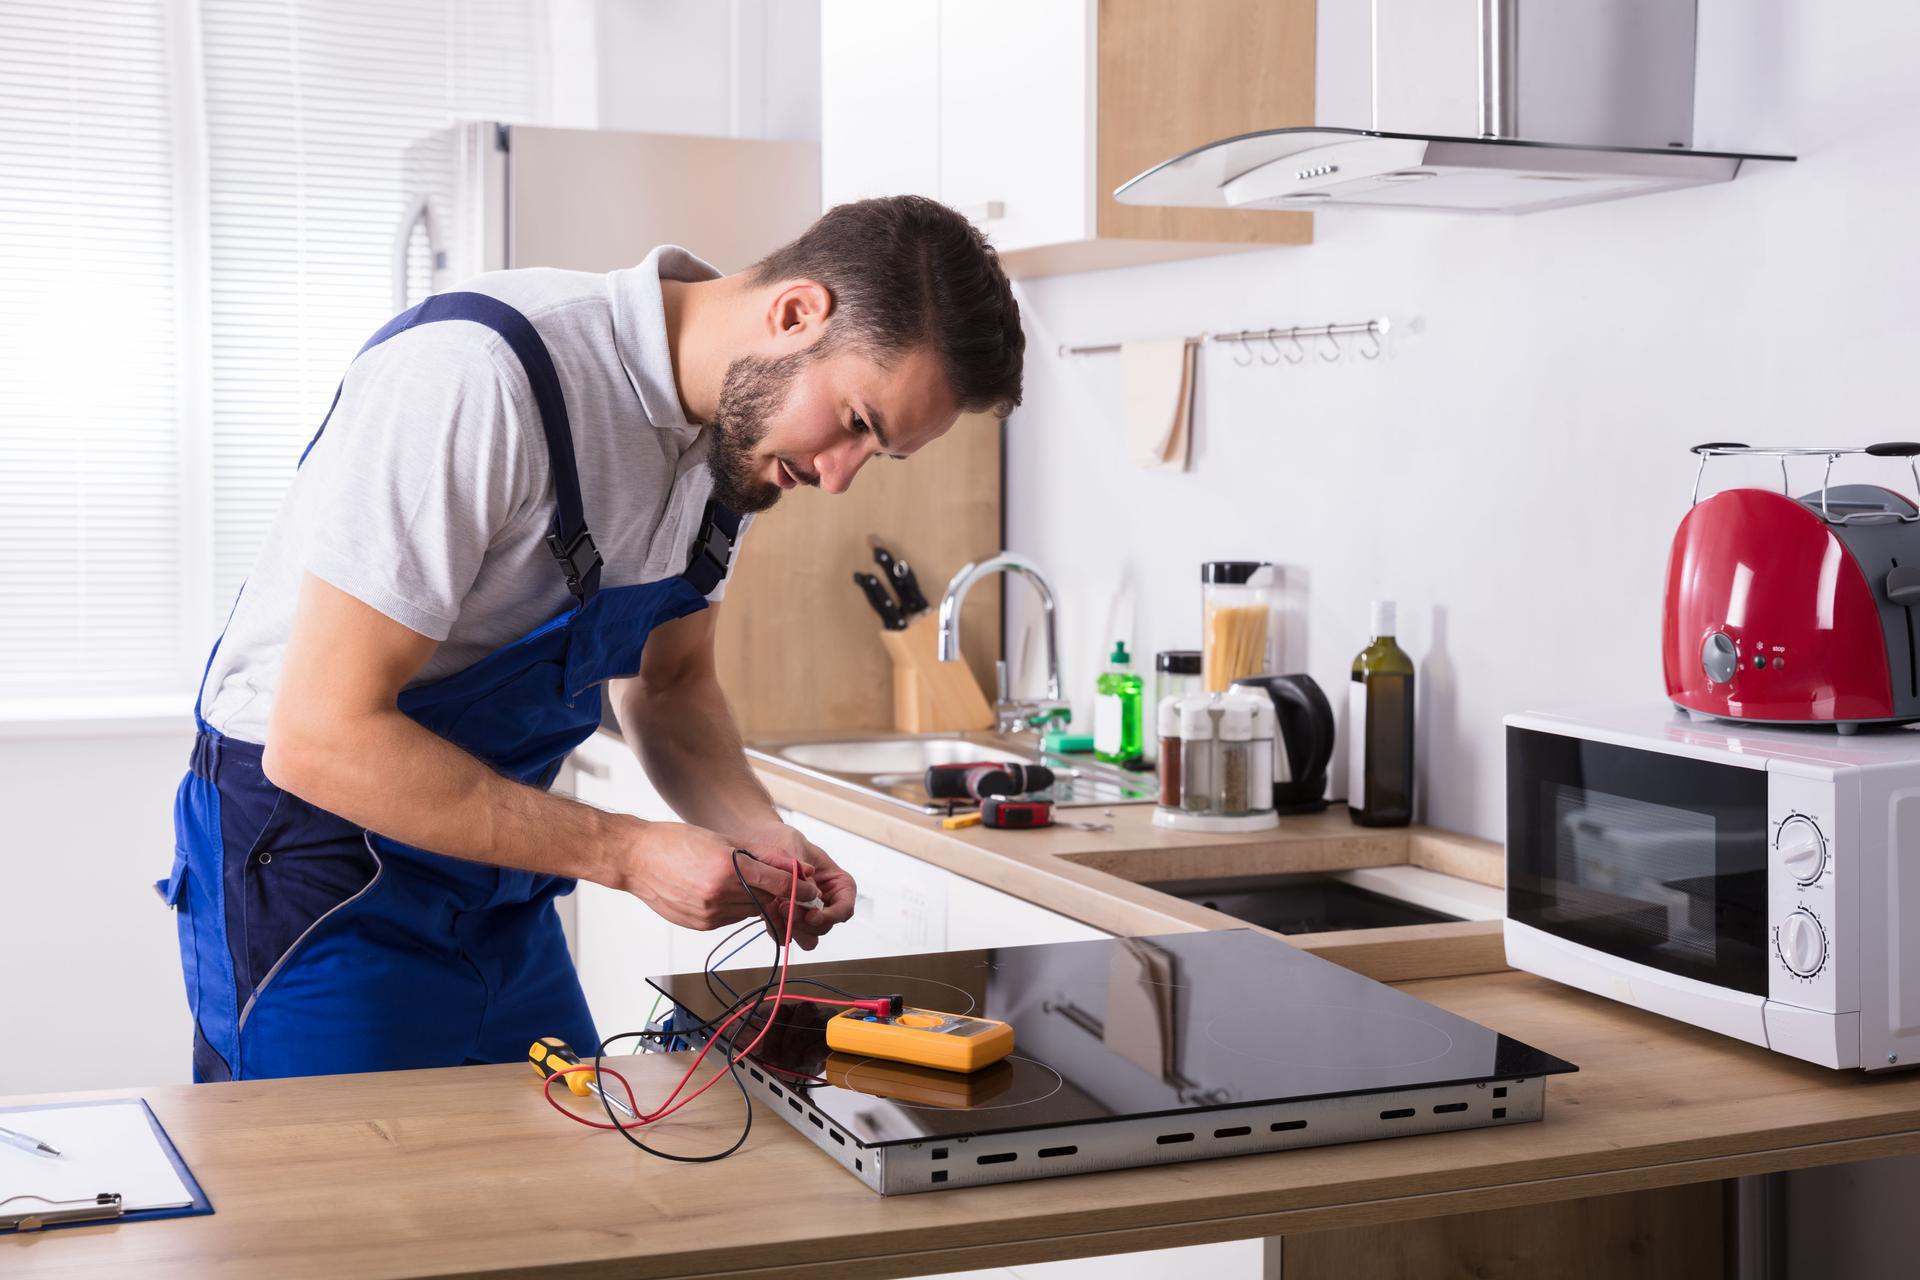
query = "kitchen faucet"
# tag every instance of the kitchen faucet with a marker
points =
(1014, 716)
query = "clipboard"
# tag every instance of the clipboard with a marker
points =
(106, 1207)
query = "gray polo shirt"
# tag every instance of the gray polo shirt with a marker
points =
(429, 496)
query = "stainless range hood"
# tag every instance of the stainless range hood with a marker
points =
(1488, 106)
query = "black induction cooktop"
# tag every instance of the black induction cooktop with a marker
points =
(1127, 1051)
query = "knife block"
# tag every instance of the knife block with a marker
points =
(931, 696)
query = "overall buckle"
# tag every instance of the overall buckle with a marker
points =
(712, 544)
(578, 557)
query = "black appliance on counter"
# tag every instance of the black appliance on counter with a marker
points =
(1302, 744)
(1127, 1051)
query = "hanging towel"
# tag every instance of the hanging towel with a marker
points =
(1156, 386)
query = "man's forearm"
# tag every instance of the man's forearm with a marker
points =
(685, 735)
(386, 772)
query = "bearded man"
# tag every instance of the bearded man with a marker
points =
(527, 488)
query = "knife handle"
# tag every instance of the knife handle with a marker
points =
(883, 603)
(912, 599)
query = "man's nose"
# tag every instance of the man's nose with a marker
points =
(838, 466)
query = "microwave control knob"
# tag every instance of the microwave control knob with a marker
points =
(1801, 848)
(1718, 657)
(1803, 944)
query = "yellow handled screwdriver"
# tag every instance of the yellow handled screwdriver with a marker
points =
(550, 1054)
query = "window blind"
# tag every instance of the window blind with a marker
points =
(90, 440)
(310, 105)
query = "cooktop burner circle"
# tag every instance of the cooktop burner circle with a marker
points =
(1034, 1081)
(909, 989)
(1337, 1036)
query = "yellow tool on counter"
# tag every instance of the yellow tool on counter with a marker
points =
(925, 1037)
(550, 1054)
(955, 822)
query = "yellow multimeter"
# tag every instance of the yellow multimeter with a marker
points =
(925, 1037)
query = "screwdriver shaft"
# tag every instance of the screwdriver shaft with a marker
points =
(612, 1101)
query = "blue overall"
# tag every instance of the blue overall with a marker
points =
(313, 946)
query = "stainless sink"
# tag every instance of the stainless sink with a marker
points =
(889, 766)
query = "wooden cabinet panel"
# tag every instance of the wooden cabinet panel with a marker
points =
(799, 648)
(1175, 75)
(1675, 1233)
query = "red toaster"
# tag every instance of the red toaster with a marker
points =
(1797, 611)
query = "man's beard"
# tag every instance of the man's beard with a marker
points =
(753, 389)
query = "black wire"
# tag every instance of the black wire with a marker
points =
(727, 1043)
(728, 1040)
(706, 968)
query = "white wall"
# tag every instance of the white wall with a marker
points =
(91, 969)
(1512, 471)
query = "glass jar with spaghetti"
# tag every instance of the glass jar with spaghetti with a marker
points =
(1240, 621)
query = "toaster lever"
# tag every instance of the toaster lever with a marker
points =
(1903, 585)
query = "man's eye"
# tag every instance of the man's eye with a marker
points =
(859, 425)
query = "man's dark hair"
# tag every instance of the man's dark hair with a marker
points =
(908, 272)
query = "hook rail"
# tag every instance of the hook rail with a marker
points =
(1329, 333)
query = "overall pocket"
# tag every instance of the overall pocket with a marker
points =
(304, 863)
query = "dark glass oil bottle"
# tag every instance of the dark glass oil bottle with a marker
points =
(1380, 729)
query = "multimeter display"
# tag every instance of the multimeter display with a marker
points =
(926, 1037)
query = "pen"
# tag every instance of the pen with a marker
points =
(26, 1142)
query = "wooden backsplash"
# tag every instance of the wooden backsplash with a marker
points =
(798, 647)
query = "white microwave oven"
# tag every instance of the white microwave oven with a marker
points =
(1762, 883)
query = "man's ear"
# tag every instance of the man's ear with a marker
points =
(799, 310)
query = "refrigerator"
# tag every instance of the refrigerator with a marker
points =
(483, 196)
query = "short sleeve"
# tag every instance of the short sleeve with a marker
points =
(423, 465)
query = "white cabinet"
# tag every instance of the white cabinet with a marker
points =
(979, 917)
(982, 104)
(879, 99)
(1016, 122)
(1026, 114)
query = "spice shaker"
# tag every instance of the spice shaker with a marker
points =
(1198, 716)
(1176, 672)
(1217, 762)
(1169, 751)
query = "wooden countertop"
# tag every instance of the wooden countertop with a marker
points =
(1095, 877)
(465, 1172)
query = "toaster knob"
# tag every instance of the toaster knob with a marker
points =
(1802, 848)
(1802, 943)
(1719, 658)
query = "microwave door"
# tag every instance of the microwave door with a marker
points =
(1652, 858)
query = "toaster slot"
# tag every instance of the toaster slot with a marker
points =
(1913, 649)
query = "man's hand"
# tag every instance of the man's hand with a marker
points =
(686, 874)
(782, 846)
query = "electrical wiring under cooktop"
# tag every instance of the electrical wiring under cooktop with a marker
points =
(721, 1031)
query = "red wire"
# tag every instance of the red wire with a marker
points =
(670, 1106)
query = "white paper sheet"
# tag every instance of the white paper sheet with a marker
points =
(108, 1148)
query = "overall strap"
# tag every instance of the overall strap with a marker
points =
(568, 540)
(713, 548)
